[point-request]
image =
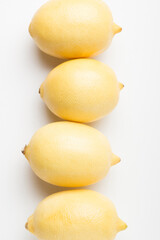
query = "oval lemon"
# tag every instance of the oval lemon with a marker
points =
(73, 29)
(81, 90)
(75, 215)
(70, 154)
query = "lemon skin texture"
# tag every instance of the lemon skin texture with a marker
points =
(73, 29)
(70, 154)
(75, 215)
(81, 90)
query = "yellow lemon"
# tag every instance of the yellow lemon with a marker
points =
(75, 215)
(81, 90)
(70, 154)
(73, 29)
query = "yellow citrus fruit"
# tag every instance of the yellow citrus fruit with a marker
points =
(73, 29)
(75, 215)
(70, 154)
(81, 90)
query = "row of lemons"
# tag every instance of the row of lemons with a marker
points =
(70, 153)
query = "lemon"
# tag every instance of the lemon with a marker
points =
(81, 90)
(75, 215)
(73, 29)
(70, 154)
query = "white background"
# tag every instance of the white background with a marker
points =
(132, 128)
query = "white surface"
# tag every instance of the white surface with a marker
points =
(132, 129)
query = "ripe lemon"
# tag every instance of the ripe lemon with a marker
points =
(81, 90)
(70, 154)
(73, 29)
(75, 215)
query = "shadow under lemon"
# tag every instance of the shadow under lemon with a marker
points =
(42, 60)
(44, 189)
(51, 117)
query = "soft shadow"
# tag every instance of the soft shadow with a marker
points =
(100, 185)
(46, 61)
(49, 116)
(99, 124)
(44, 189)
